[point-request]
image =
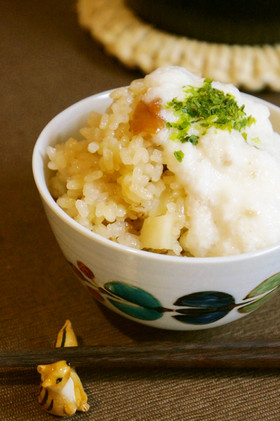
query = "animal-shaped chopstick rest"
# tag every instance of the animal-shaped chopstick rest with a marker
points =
(62, 392)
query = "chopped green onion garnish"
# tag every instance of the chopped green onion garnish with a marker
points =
(206, 107)
(179, 155)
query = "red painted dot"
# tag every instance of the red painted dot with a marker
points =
(76, 271)
(86, 270)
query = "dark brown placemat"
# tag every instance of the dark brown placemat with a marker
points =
(154, 395)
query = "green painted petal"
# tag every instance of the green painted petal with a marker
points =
(132, 294)
(137, 312)
(267, 285)
(255, 304)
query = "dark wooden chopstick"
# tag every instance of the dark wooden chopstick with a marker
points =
(193, 355)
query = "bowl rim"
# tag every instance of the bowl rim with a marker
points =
(38, 157)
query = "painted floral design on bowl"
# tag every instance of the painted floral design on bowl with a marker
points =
(198, 308)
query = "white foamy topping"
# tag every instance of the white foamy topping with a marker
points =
(232, 186)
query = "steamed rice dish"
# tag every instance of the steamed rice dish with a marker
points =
(178, 165)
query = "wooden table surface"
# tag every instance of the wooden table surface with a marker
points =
(48, 63)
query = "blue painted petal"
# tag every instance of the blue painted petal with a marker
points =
(137, 312)
(207, 299)
(132, 294)
(201, 318)
(204, 307)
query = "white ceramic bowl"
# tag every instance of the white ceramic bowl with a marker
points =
(178, 293)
